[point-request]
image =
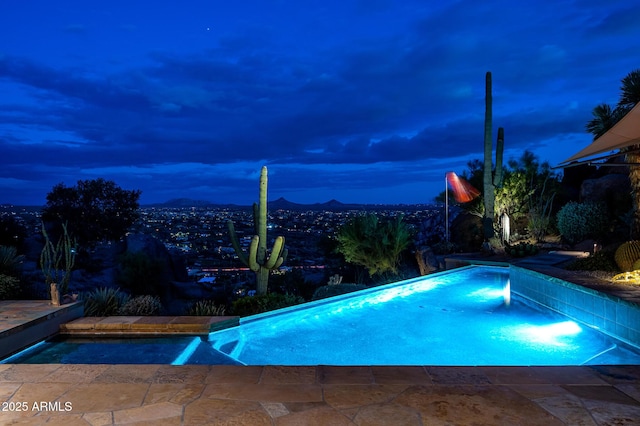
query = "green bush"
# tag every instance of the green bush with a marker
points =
(373, 243)
(578, 221)
(521, 249)
(252, 305)
(141, 305)
(206, 308)
(9, 287)
(335, 290)
(103, 302)
(9, 260)
(602, 260)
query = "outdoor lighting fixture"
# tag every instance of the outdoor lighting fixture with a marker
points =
(551, 334)
(463, 192)
(506, 293)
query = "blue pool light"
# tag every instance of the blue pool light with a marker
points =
(506, 293)
(550, 334)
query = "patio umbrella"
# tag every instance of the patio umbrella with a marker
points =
(624, 133)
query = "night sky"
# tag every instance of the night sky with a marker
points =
(363, 101)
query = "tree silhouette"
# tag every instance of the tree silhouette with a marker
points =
(95, 210)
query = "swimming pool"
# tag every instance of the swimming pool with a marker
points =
(463, 317)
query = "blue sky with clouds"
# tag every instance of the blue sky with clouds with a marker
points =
(357, 100)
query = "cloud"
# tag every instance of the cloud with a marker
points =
(334, 95)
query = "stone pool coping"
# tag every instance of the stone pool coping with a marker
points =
(25, 322)
(121, 326)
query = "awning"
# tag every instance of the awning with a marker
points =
(624, 133)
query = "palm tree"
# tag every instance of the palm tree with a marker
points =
(630, 91)
(605, 118)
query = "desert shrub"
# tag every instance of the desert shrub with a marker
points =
(206, 308)
(444, 247)
(9, 260)
(103, 302)
(141, 305)
(335, 290)
(521, 249)
(252, 305)
(9, 287)
(292, 282)
(140, 273)
(578, 221)
(375, 244)
(602, 260)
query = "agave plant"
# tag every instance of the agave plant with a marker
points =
(206, 308)
(103, 302)
(141, 306)
(9, 259)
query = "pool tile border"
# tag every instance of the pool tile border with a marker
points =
(608, 313)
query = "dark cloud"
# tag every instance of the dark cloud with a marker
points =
(333, 96)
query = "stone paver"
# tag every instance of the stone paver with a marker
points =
(273, 395)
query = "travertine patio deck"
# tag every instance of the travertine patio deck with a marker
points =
(323, 395)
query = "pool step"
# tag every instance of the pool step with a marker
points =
(139, 325)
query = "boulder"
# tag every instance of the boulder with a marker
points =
(613, 190)
(176, 265)
(427, 261)
(466, 232)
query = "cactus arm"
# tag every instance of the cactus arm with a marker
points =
(282, 258)
(497, 177)
(253, 250)
(276, 253)
(235, 243)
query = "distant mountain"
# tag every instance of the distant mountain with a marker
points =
(334, 203)
(185, 202)
(283, 204)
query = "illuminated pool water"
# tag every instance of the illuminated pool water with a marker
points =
(462, 317)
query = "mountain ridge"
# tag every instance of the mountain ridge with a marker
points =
(278, 204)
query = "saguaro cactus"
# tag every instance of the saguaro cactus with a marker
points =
(257, 259)
(492, 178)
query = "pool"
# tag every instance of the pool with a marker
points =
(466, 316)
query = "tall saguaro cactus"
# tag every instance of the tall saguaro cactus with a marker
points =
(492, 178)
(257, 259)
